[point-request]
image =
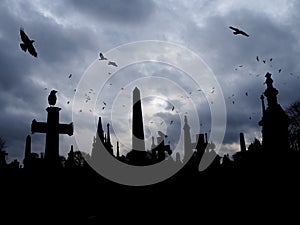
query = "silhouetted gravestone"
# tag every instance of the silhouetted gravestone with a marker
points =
(188, 149)
(274, 121)
(298, 139)
(138, 156)
(160, 150)
(138, 142)
(242, 143)
(28, 154)
(3, 155)
(52, 128)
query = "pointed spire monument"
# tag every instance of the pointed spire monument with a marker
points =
(274, 121)
(138, 155)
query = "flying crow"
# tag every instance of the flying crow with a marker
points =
(112, 63)
(102, 56)
(27, 43)
(238, 31)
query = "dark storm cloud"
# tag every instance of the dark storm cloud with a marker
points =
(58, 44)
(224, 52)
(132, 11)
(267, 39)
(22, 98)
(70, 34)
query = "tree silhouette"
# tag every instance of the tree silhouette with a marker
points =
(2, 153)
(293, 112)
(2, 144)
(255, 146)
(75, 160)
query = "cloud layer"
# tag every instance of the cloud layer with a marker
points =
(69, 36)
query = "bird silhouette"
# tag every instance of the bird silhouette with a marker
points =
(257, 59)
(279, 71)
(264, 61)
(173, 108)
(27, 43)
(238, 31)
(52, 98)
(112, 63)
(70, 75)
(102, 56)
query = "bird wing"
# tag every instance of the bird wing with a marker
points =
(24, 37)
(31, 50)
(102, 56)
(235, 29)
(112, 63)
(244, 33)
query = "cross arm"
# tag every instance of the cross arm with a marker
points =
(39, 127)
(66, 129)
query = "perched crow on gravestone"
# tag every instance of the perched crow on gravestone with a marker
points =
(52, 98)
(238, 31)
(27, 43)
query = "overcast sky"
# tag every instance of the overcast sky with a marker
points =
(70, 34)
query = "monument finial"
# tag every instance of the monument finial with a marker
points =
(269, 80)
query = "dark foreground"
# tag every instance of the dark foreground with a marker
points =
(82, 196)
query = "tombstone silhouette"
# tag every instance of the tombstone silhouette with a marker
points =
(274, 121)
(52, 128)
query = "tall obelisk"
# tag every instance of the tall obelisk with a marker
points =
(137, 156)
(138, 142)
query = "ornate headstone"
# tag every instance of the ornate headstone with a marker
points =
(52, 128)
